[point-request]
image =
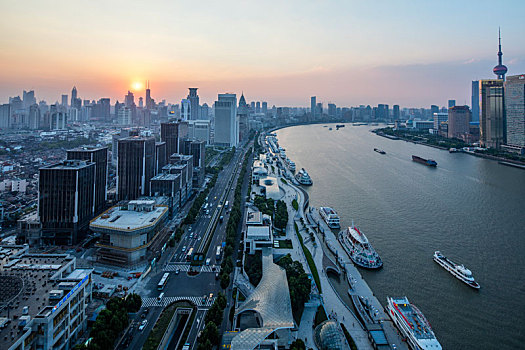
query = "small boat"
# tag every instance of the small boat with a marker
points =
(427, 162)
(379, 151)
(453, 150)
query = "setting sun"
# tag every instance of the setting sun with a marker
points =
(137, 86)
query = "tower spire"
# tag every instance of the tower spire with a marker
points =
(500, 70)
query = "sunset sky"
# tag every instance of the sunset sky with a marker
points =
(412, 53)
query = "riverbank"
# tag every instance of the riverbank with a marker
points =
(501, 160)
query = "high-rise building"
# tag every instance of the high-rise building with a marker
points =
(475, 101)
(439, 119)
(149, 101)
(242, 114)
(5, 116)
(34, 117)
(141, 102)
(264, 108)
(226, 120)
(73, 96)
(135, 166)
(258, 107)
(492, 126)
(98, 156)
(65, 201)
(29, 98)
(185, 109)
(173, 133)
(200, 130)
(332, 110)
(319, 111)
(161, 158)
(458, 122)
(397, 115)
(58, 120)
(129, 100)
(64, 101)
(451, 103)
(515, 110)
(205, 112)
(313, 106)
(434, 109)
(124, 115)
(500, 70)
(194, 104)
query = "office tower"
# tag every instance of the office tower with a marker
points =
(73, 96)
(434, 109)
(264, 108)
(515, 110)
(5, 116)
(135, 166)
(439, 119)
(114, 145)
(258, 107)
(64, 101)
(124, 115)
(200, 130)
(161, 158)
(129, 100)
(29, 98)
(397, 115)
(34, 117)
(194, 104)
(500, 70)
(226, 120)
(58, 120)
(492, 113)
(149, 101)
(451, 103)
(475, 101)
(99, 157)
(458, 121)
(141, 102)
(185, 109)
(242, 114)
(332, 110)
(252, 107)
(65, 201)
(104, 109)
(173, 133)
(319, 111)
(205, 112)
(313, 105)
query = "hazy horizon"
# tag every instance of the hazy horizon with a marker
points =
(346, 52)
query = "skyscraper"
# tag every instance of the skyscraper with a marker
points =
(129, 100)
(264, 108)
(397, 115)
(64, 100)
(73, 96)
(500, 70)
(99, 157)
(475, 101)
(313, 106)
(451, 103)
(458, 121)
(194, 104)
(258, 107)
(492, 113)
(185, 109)
(173, 133)
(332, 110)
(135, 166)
(149, 102)
(226, 120)
(515, 110)
(29, 98)
(65, 200)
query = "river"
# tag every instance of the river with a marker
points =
(471, 209)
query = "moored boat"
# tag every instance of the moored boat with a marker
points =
(412, 324)
(359, 248)
(303, 178)
(459, 271)
(330, 216)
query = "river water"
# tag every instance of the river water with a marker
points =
(469, 208)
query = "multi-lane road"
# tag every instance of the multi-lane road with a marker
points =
(184, 285)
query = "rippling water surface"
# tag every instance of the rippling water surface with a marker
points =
(471, 209)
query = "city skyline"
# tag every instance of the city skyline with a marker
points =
(346, 53)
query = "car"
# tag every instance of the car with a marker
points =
(211, 296)
(208, 261)
(177, 271)
(191, 235)
(183, 249)
(216, 275)
(204, 298)
(143, 325)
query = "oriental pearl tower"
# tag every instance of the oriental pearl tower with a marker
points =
(500, 70)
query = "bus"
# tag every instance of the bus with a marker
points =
(163, 281)
(189, 254)
(218, 253)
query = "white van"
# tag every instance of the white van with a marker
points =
(208, 261)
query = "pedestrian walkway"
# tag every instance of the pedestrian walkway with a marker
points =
(154, 302)
(187, 267)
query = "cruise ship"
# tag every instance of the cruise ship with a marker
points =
(459, 271)
(412, 324)
(303, 178)
(330, 217)
(359, 249)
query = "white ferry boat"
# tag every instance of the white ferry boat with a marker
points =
(412, 324)
(330, 217)
(291, 165)
(359, 249)
(303, 178)
(459, 271)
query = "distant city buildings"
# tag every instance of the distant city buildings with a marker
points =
(515, 110)
(492, 113)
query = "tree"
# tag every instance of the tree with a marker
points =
(298, 344)
(225, 280)
(211, 333)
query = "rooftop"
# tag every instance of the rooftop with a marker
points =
(119, 218)
(258, 232)
(165, 177)
(69, 164)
